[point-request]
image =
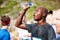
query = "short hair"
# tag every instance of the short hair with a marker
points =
(44, 10)
(5, 20)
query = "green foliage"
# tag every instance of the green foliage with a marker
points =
(13, 7)
(1, 1)
(8, 7)
(30, 12)
(25, 0)
(10, 4)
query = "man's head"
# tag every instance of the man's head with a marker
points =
(40, 13)
(5, 20)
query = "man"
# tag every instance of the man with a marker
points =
(4, 34)
(41, 29)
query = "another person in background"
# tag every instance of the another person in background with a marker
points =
(41, 29)
(5, 22)
(56, 22)
(49, 18)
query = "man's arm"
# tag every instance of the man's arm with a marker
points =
(20, 18)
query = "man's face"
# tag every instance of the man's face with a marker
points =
(38, 15)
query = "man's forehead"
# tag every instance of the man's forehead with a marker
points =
(40, 8)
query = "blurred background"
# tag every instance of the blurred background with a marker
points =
(13, 7)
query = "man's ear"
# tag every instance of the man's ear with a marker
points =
(44, 14)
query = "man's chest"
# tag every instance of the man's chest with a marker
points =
(39, 31)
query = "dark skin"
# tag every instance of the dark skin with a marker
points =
(39, 16)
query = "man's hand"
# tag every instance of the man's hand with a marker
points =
(26, 7)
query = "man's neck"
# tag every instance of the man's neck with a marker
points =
(4, 27)
(41, 22)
